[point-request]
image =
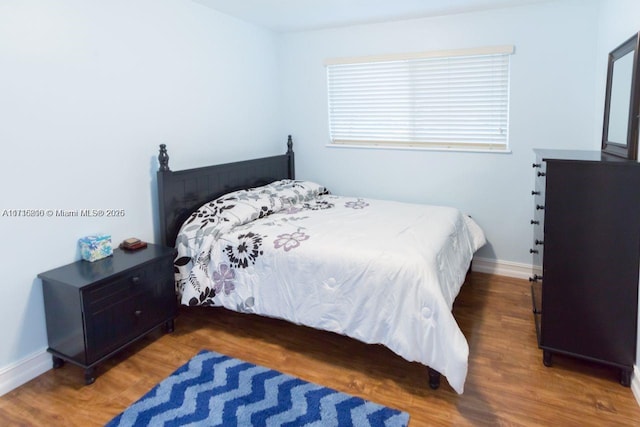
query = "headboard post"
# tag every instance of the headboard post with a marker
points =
(163, 158)
(163, 170)
(292, 168)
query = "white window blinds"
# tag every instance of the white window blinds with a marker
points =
(457, 100)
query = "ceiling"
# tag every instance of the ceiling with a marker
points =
(301, 15)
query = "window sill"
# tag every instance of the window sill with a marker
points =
(417, 148)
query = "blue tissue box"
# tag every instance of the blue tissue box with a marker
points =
(93, 248)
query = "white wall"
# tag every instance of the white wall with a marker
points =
(88, 89)
(552, 103)
(617, 21)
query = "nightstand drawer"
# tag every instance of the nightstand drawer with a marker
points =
(132, 283)
(112, 326)
(118, 312)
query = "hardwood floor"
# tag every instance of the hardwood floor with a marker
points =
(507, 383)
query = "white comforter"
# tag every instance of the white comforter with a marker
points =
(378, 271)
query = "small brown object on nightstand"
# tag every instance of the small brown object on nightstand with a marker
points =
(132, 244)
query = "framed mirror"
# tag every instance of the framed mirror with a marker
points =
(622, 101)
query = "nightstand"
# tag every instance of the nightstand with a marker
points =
(95, 309)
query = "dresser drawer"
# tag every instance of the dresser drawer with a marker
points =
(537, 246)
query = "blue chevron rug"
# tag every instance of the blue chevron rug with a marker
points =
(217, 390)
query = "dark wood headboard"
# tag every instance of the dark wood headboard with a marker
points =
(182, 192)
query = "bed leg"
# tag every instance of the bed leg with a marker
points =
(434, 379)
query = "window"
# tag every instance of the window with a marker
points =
(444, 100)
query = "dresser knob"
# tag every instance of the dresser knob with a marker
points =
(539, 207)
(137, 313)
(539, 242)
(533, 251)
(534, 222)
(135, 280)
(535, 193)
(536, 165)
(535, 278)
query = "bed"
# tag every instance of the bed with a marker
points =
(252, 238)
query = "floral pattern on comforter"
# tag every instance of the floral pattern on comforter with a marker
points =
(209, 231)
(378, 271)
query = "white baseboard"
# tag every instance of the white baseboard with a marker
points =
(22, 371)
(504, 268)
(635, 383)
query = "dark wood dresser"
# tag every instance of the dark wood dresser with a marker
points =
(587, 239)
(95, 309)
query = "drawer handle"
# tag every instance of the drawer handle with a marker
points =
(533, 251)
(539, 207)
(539, 242)
(542, 174)
(135, 280)
(534, 222)
(137, 313)
(536, 165)
(535, 278)
(535, 193)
